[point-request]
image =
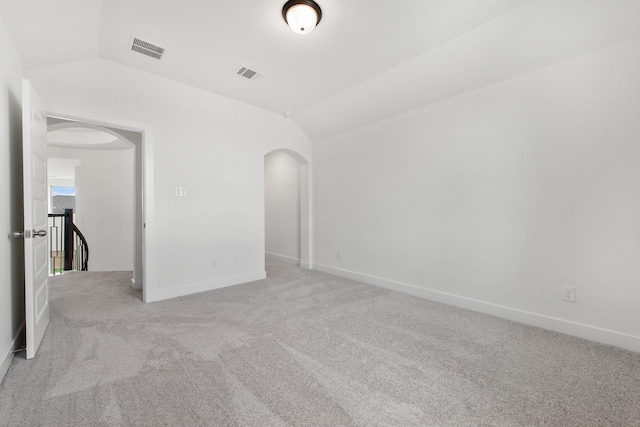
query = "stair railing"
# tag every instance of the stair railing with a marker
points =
(69, 248)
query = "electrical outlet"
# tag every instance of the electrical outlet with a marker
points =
(568, 294)
(181, 191)
(339, 254)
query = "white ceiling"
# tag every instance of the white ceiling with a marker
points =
(367, 59)
(85, 136)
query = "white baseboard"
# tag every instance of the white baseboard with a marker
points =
(283, 258)
(8, 358)
(604, 336)
(203, 286)
(306, 265)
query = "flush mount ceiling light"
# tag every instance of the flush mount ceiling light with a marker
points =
(301, 15)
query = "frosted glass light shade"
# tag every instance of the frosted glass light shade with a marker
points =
(302, 16)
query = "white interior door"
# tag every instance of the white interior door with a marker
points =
(36, 248)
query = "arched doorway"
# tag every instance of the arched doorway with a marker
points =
(287, 210)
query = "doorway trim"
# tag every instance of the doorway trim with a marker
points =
(148, 266)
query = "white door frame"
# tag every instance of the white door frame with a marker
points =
(148, 266)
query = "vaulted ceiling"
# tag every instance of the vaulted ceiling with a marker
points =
(367, 60)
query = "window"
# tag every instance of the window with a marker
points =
(62, 198)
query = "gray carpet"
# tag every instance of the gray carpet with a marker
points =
(304, 348)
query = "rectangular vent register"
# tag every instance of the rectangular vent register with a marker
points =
(147, 48)
(247, 73)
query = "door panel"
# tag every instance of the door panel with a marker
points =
(34, 149)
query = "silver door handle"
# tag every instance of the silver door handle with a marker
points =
(17, 234)
(41, 233)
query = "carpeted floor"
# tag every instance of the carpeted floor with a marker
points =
(304, 348)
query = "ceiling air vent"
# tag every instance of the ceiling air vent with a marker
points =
(248, 73)
(146, 48)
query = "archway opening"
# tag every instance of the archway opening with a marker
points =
(287, 231)
(108, 177)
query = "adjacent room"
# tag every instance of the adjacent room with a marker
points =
(336, 212)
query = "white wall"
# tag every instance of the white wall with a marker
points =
(209, 144)
(11, 219)
(59, 182)
(282, 205)
(104, 184)
(498, 198)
